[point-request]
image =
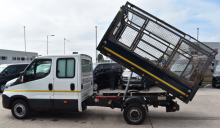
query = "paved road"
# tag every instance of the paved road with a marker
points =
(202, 112)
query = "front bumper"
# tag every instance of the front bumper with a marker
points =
(5, 101)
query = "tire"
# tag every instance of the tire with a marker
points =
(134, 113)
(95, 87)
(2, 87)
(213, 84)
(20, 109)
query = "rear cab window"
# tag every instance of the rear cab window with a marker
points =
(86, 65)
(65, 68)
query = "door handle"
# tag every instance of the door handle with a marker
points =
(72, 86)
(50, 87)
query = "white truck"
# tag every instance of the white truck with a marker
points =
(66, 82)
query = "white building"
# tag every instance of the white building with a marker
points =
(10, 56)
(215, 46)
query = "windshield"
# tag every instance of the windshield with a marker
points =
(180, 67)
(217, 68)
(2, 68)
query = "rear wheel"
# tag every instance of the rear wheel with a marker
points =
(95, 87)
(134, 113)
(20, 109)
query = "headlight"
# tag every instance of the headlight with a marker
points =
(139, 78)
(8, 85)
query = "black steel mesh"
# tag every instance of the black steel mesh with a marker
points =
(128, 36)
(163, 33)
(177, 53)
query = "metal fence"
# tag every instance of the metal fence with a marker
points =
(161, 44)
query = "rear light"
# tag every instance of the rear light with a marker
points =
(96, 99)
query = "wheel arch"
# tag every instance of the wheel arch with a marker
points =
(132, 100)
(18, 97)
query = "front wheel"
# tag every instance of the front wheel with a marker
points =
(134, 113)
(20, 109)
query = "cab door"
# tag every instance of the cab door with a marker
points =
(65, 84)
(38, 82)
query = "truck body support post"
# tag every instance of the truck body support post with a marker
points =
(128, 84)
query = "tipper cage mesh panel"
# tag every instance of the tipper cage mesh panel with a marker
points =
(157, 42)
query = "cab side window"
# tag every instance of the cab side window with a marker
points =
(42, 69)
(30, 73)
(65, 68)
(37, 70)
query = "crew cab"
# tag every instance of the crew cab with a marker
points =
(50, 83)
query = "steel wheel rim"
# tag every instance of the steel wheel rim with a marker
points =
(19, 110)
(134, 114)
(95, 87)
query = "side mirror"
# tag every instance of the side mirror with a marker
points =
(213, 64)
(212, 70)
(6, 73)
(22, 74)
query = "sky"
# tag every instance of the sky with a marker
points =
(75, 20)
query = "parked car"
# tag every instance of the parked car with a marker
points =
(101, 75)
(216, 76)
(136, 80)
(9, 72)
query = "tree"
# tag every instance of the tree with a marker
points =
(100, 56)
